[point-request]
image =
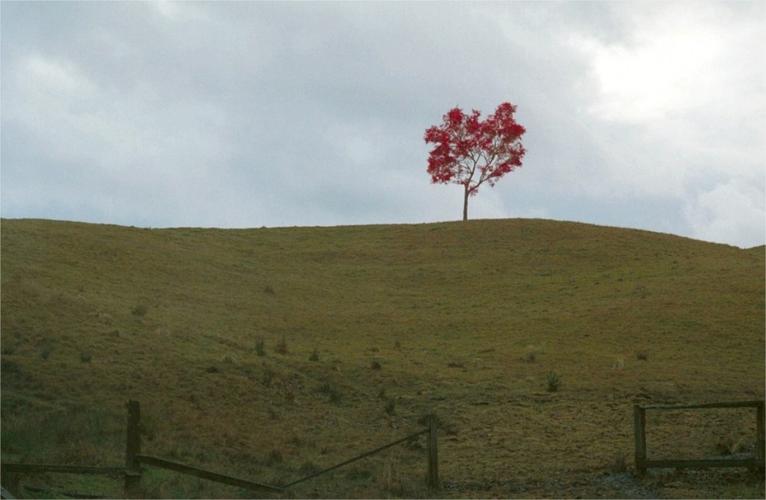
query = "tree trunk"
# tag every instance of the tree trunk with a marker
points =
(465, 204)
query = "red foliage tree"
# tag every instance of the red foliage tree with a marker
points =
(471, 152)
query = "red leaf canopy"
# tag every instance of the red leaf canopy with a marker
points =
(471, 151)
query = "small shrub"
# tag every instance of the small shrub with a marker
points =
(85, 357)
(333, 394)
(281, 346)
(397, 345)
(260, 348)
(642, 356)
(382, 393)
(314, 355)
(212, 369)
(454, 364)
(139, 310)
(375, 365)
(531, 353)
(273, 415)
(268, 290)
(553, 381)
(390, 407)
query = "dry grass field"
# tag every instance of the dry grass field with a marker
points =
(378, 326)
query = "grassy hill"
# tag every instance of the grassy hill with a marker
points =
(463, 319)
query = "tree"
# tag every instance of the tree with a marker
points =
(471, 152)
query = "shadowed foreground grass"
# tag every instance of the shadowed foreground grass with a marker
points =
(365, 329)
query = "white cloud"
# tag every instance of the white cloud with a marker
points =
(731, 213)
(676, 57)
(53, 77)
(655, 76)
(680, 103)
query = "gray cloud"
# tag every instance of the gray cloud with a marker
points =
(249, 114)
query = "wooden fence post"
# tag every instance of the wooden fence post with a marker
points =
(133, 448)
(760, 442)
(639, 431)
(433, 454)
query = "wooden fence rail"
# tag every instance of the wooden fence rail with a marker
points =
(639, 426)
(131, 472)
(205, 474)
(64, 469)
(359, 457)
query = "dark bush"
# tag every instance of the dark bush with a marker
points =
(554, 382)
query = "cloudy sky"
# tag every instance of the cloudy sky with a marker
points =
(645, 115)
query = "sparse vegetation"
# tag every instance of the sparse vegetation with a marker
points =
(85, 357)
(375, 365)
(553, 382)
(314, 355)
(442, 290)
(334, 396)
